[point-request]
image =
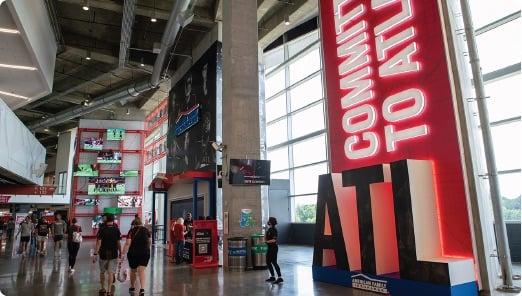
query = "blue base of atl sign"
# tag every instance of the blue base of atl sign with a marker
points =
(390, 285)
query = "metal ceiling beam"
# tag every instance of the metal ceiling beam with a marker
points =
(67, 86)
(177, 18)
(272, 26)
(263, 6)
(146, 11)
(127, 23)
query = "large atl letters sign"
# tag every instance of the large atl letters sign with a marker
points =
(390, 102)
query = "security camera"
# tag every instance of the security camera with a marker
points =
(218, 146)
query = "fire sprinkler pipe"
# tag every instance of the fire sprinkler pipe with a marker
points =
(176, 20)
(494, 189)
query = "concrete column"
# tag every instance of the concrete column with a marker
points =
(240, 111)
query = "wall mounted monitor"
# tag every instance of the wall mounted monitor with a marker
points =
(249, 172)
(88, 202)
(93, 143)
(106, 186)
(129, 201)
(115, 134)
(109, 157)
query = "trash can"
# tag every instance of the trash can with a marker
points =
(237, 253)
(259, 250)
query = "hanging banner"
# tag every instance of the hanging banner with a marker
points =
(390, 105)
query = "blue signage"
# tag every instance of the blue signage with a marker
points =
(186, 120)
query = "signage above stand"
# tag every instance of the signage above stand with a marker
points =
(187, 119)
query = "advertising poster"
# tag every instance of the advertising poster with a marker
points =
(115, 134)
(192, 116)
(129, 173)
(203, 242)
(85, 170)
(245, 218)
(249, 172)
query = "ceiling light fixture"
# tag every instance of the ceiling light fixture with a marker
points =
(14, 95)
(153, 14)
(18, 67)
(287, 20)
(85, 5)
(9, 31)
(141, 63)
(46, 129)
(128, 111)
(88, 57)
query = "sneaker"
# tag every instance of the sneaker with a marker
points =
(279, 280)
(71, 271)
(270, 279)
(142, 292)
(131, 291)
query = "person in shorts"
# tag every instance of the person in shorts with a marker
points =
(42, 233)
(25, 229)
(108, 247)
(58, 231)
(137, 248)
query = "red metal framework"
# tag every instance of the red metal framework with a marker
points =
(157, 117)
(112, 172)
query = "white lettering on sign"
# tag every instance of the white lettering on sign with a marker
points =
(395, 54)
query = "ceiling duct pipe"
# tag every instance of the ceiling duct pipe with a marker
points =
(177, 19)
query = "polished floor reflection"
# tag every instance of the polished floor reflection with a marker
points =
(46, 276)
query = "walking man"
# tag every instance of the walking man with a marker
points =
(108, 247)
(26, 227)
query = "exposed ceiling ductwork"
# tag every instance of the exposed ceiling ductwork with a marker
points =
(179, 17)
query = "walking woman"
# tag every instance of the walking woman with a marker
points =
(271, 256)
(74, 238)
(137, 247)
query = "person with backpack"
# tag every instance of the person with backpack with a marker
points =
(25, 230)
(108, 247)
(271, 255)
(137, 247)
(42, 232)
(74, 239)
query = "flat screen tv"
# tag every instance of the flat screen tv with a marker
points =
(249, 172)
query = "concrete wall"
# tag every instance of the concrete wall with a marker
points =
(65, 158)
(20, 150)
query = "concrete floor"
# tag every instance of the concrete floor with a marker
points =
(44, 276)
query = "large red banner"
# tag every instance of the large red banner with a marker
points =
(389, 98)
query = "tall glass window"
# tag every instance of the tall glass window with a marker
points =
(498, 27)
(295, 113)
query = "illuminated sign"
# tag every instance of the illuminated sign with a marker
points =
(187, 120)
(389, 98)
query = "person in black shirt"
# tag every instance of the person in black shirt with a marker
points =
(188, 226)
(109, 249)
(42, 232)
(137, 247)
(271, 255)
